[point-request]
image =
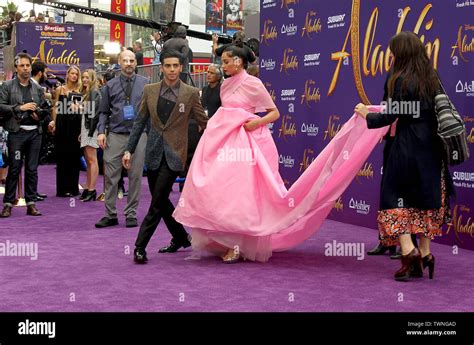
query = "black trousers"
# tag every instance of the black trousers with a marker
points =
(22, 144)
(160, 182)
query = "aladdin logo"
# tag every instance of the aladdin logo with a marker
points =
(367, 171)
(335, 21)
(462, 44)
(269, 32)
(269, 64)
(65, 58)
(311, 59)
(271, 91)
(466, 88)
(459, 225)
(290, 62)
(311, 93)
(289, 30)
(287, 161)
(339, 205)
(288, 95)
(287, 128)
(285, 3)
(463, 179)
(311, 130)
(360, 206)
(307, 159)
(311, 25)
(380, 60)
(332, 129)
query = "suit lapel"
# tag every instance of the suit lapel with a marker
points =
(154, 97)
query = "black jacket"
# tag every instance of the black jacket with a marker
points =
(413, 158)
(91, 119)
(11, 99)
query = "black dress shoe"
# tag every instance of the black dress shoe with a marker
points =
(106, 221)
(139, 256)
(381, 249)
(6, 212)
(31, 210)
(41, 195)
(396, 256)
(174, 246)
(131, 222)
(37, 198)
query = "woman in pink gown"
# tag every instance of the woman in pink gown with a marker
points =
(234, 198)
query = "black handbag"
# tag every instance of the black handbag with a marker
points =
(451, 129)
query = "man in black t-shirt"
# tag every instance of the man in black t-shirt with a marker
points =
(210, 98)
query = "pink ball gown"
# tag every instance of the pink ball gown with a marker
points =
(234, 195)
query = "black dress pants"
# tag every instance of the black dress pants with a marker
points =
(160, 182)
(23, 144)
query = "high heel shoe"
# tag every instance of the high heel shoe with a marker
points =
(91, 196)
(381, 249)
(231, 259)
(84, 194)
(429, 261)
(411, 266)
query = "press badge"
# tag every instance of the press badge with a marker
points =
(128, 113)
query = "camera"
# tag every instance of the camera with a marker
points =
(44, 109)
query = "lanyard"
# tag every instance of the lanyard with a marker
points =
(128, 97)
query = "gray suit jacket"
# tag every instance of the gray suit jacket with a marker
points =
(171, 138)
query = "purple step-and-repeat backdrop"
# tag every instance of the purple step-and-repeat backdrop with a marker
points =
(320, 58)
(58, 45)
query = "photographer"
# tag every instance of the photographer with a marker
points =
(180, 44)
(22, 109)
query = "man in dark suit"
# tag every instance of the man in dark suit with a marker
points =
(167, 106)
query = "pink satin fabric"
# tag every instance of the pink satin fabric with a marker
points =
(234, 195)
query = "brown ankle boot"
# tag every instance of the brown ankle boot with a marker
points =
(6, 212)
(411, 266)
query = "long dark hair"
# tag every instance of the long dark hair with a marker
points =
(413, 65)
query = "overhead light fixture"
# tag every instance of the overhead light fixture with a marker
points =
(112, 48)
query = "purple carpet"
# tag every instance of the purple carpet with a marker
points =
(81, 268)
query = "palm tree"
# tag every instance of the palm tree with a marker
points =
(9, 7)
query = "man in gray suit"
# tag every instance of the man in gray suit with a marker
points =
(167, 106)
(118, 110)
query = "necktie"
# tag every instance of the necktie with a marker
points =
(128, 89)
